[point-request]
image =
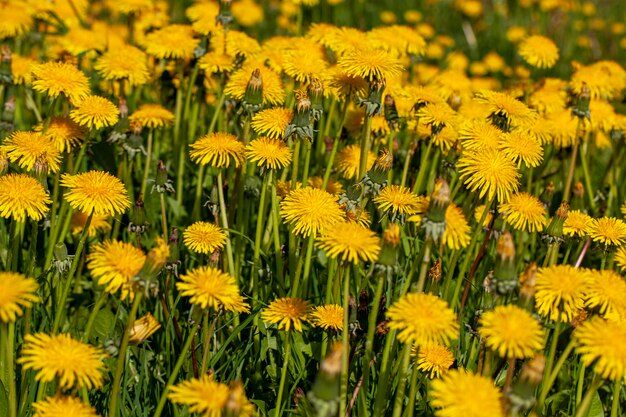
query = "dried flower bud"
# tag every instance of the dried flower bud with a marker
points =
(546, 195)
(391, 112)
(382, 328)
(581, 109)
(4, 163)
(578, 194)
(122, 108)
(143, 328)
(384, 162)
(580, 317)
(504, 276)
(435, 271)
(532, 371)
(527, 281)
(316, 94)
(434, 220)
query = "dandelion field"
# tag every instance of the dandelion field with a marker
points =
(312, 208)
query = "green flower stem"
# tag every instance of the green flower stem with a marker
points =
(295, 163)
(617, 386)
(390, 139)
(424, 265)
(257, 238)
(163, 215)
(68, 281)
(589, 190)
(8, 342)
(369, 343)
(121, 358)
(54, 231)
(402, 377)
(572, 163)
(307, 162)
(551, 374)
(173, 374)
(307, 266)
(415, 384)
(425, 164)
(365, 145)
(583, 408)
(195, 214)
(207, 342)
(92, 315)
(580, 384)
(146, 168)
(385, 370)
(15, 243)
(276, 234)
(224, 217)
(450, 272)
(333, 152)
(283, 374)
(345, 339)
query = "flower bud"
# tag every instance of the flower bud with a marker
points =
(581, 109)
(554, 231)
(143, 328)
(504, 276)
(391, 112)
(253, 97)
(300, 124)
(316, 94)
(578, 194)
(434, 220)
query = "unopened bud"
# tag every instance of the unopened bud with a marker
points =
(555, 228)
(581, 109)
(143, 328)
(60, 252)
(435, 271)
(504, 276)
(391, 112)
(253, 97)
(434, 220)
(527, 281)
(300, 124)
(316, 95)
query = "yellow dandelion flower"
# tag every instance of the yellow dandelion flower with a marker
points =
(351, 242)
(460, 393)
(286, 312)
(171, 42)
(577, 224)
(343, 86)
(133, 6)
(327, 317)
(218, 150)
(96, 191)
(152, 116)
(422, 318)
(608, 231)
(524, 211)
(620, 258)
(216, 62)
(511, 332)
(273, 91)
(202, 15)
(369, 63)
(209, 398)
(305, 63)
(124, 62)
(71, 362)
(564, 127)
(457, 233)
(522, 148)
(21, 69)
(247, 12)
(341, 40)
(478, 134)
(95, 112)
(211, 288)
(333, 187)
(437, 115)
(478, 214)
(607, 293)
(398, 200)
(54, 78)
(99, 223)
(601, 346)
(434, 359)
(269, 153)
(203, 237)
(143, 328)
(31, 150)
(114, 264)
(63, 132)
(22, 196)
(15, 20)
(349, 159)
(598, 78)
(490, 172)
(310, 211)
(539, 51)
(16, 293)
(272, 122)
(504, 105)
(63, 406)
(560, 292)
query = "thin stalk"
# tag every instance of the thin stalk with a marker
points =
(257, 237)
(345, 358)
(369, 343)
(572, 164)
(425, 163)
(92, 315)
(121, 358)
(68, 281)
(583, 408)
(589, 190)
(195, 214)
(8, 343)
(617, 386)
(146, 168)
(307, 266)
(283, 374)
(307, 162)
(402, 376)
(224, 217)
(365, 145)
(207, 342)
(174, 374)
(424, 266)
(276, 234)
(294, 164)
(163, 215)
(552, 375)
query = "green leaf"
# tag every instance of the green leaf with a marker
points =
(596, 409)
(102, 324)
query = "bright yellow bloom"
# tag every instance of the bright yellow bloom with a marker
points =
(96, 191)
(539, 51)
(273, 91)
(608, 231)
(22, 196)
(327, 317)
(422, 318)
(218, 149)
(560, 292)
(98, 224)
(457, 233)
(152, 116)
(124, 62)
(489, 172)
(511, 332)
(577, 224)
(607, 293)
(54, 78)
(434, 359)
(522, 148)
(171, 42)
(15, 20)
(349, 159)
(272, 122)
(216, 62)
(63, 406)
(203, 237)
(437, 115)
(21, 69)
(506, 106)
(462, 394)
(209, 398)
(310, 211)
(32, 151)
(95, 112)
(620, 258)
(269, 153)
(351, 242)
(286, 312)
(369, 63)
(63, 132)
(602, 345)
(211, 288)
(71, 362)
(524, 211)
(143, 328)
(398, 200)
(16, 293)
(115, 264)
